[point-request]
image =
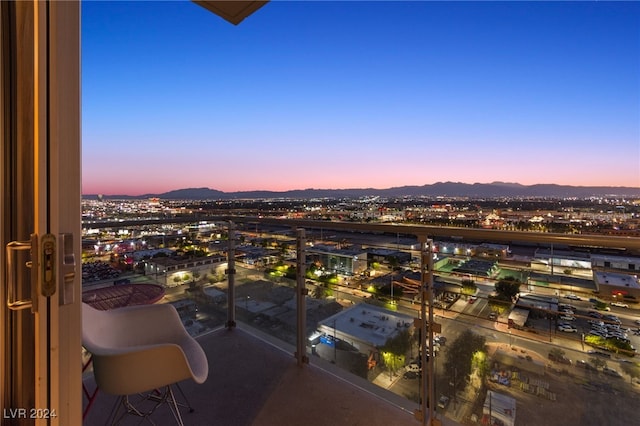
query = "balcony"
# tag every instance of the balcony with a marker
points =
(254, 382)
(550, 375)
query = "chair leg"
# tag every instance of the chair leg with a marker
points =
(188, 404)
(167, 396)
(129, 409)
(173, 404)
(111, 420)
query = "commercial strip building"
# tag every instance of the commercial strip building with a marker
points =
(342, 261)
(617, 286)
(365, 327)
(615, 264)
(173, 271)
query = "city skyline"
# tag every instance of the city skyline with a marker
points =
(359, 95)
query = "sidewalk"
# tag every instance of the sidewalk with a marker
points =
(384, 380)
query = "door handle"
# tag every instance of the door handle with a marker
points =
(13, 249)
(48, 267)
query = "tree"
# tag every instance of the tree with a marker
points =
(319, 292)
(291, 272)
(460, 355)
(507, 288)
(396, 347)
(469, 287)
(284, 246)
(398, 344)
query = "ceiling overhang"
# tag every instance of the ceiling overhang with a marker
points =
(232, 11)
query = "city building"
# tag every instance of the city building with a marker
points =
(365, 327)
(341, 261)
(630, 265)
(617, 286)
(173, 271)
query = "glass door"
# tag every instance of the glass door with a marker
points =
(40, 348)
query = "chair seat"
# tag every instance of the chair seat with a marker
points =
(140, 349)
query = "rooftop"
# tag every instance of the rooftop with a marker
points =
(368, 323)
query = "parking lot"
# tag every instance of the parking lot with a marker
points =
(611, 400)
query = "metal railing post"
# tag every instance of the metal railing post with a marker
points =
(231, 273)
(301, 302)
(431, 325)
(427, 379)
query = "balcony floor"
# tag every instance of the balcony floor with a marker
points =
(253, 382)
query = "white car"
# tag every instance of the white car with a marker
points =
(413, 367)
(567, 318)
(567, 328)
(619, 304)
(572, 297)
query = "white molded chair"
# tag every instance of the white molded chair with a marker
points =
(141, 350)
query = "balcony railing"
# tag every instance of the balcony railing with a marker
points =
(484, 356)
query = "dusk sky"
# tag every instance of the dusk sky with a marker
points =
(356, 94)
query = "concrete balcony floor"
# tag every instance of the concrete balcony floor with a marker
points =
(253, 382)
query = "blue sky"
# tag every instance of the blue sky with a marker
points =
(359, 94)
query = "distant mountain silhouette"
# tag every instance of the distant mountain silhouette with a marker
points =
(439, 189)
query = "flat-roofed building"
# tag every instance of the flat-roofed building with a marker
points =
(365, 327)
(546, 258)
(615, 263)
(617, 286)
(172, 271)
(342, 261)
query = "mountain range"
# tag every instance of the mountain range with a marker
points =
(439, 189)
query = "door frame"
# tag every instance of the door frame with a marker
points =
(41, 151)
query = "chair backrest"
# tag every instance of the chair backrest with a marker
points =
(140, 348)
(95, 328)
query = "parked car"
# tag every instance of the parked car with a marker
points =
(598, 353)
(493, 316)
(619, 304)
(440, 340)
(472, 299)
(410, 375)
(611, 372)
(613, 318)
(559, 358)
(443, 401)
(565, 317)
(413, 367)
(586, 365)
